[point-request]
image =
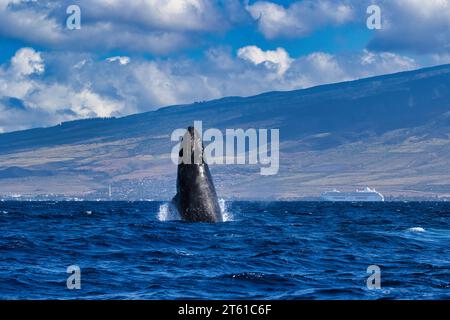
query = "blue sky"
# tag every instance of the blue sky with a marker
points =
(131, 57)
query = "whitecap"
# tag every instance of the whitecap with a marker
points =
(416, 229)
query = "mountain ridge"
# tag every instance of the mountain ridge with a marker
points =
(240, 98)
(330, 135)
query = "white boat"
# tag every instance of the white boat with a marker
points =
(366, 195)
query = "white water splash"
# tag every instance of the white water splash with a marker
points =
(416, 229)
(168, 212)
(226, 215)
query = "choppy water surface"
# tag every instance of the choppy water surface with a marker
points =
(279, 250)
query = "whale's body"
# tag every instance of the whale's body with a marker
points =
(196, 198)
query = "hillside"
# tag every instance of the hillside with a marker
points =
(389, 132)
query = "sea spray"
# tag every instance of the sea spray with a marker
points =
(168, 212)
(226, 214)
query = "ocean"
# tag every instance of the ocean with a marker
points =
(263, 250)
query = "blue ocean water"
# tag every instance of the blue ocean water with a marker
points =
(276, 250)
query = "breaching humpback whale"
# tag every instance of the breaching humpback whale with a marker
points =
(196, 198)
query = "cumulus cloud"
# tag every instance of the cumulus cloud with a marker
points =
(14, 79)
(28, 98)
(320, 68)
(278, 59)
(300, 18)
(26, 61)
(385, 62)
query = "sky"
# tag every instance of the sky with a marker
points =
(128, 57)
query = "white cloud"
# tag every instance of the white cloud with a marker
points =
(324, 62)
(385, 62)
(300, 18)
(72, 103)
(28, 98)
(26, 61)
(123, 60)
(14, 81)
(277, 59)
